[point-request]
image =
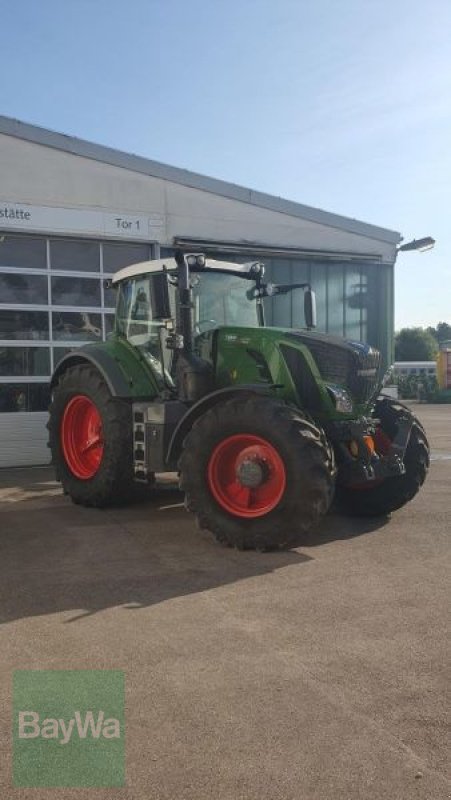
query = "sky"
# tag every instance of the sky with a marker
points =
(340, 104)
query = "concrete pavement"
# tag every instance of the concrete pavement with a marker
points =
(315, 674)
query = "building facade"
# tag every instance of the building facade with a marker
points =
(72, 213)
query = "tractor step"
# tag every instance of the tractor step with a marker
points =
(153, 426)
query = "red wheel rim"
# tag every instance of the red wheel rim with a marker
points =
(239, 462)
(81, 437)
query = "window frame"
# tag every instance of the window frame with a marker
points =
(50, 306)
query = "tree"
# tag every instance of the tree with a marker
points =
(442, 333)
(415, 344)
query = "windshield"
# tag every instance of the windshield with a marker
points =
(222, 299)
(218, 299)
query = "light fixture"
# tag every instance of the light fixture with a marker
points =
(427, 243)
(196, 260)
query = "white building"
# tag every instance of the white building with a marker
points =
(73, 212)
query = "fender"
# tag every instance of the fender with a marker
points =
(123, 373)
(185, 424)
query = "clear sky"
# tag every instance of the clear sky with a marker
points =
(340, 104)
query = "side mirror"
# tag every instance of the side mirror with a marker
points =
(310, 308)
(159, 296)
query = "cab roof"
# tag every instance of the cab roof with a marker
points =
(169, 264)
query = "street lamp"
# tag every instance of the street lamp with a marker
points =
(418, 244)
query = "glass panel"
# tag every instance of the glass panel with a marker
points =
(268, 302)
(281, 309)
(23, 289)
(136, 320)
(118, 254)
(299, 274)
(220, 299)
(79, 255)
(75, 292)
(24, 361)
(24, 325)
(109, 296)
(109, 324)
(364, 305)
(58, 354)
(23, 251)
(353, 300)
(318, 282)
(136, 316)
(335, 299)
(376, 316)
(168, 252)
(81, 326)
(24, 397)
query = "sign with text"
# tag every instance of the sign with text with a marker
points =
(111, 224)
(68, 728)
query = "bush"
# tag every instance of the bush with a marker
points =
(408, 385)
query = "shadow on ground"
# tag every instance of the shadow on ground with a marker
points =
(57, 557)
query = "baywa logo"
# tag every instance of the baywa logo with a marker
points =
(30, 726)
(68, 728)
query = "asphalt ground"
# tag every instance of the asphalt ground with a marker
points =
(315, 674)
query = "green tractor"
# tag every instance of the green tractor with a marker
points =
(264, 425)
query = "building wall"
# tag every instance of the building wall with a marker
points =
(41, 175)
(55, 256)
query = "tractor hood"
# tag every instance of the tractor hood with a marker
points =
(346, 363)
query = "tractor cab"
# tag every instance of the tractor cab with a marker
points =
(218, 294)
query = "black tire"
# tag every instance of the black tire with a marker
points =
(113, 482)
(391, 493)
(308, 462)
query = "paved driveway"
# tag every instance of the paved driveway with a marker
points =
(313, 674)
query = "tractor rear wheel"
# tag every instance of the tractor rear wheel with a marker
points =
(90, 438)
(390, 494)
(257, 473)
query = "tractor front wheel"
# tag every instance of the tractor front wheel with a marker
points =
(387, 495)
(90, 438)
(257, 473)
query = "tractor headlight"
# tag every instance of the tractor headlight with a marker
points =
(341, 398)
(196, 260)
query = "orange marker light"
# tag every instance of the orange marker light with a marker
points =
(369, 441)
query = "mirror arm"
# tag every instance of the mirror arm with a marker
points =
(284, 288)
(271, 289)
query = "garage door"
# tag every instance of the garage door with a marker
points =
(53, 297)
(23, 440)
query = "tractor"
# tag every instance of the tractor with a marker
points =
(265, 426)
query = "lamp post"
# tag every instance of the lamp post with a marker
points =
(427, 243)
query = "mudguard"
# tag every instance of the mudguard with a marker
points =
(204, 404)
(124, 371)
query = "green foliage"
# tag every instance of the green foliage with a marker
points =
(408, 385)
(415, 344)
(441, 333)
(440, 396)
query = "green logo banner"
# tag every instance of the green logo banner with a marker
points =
(68, 728)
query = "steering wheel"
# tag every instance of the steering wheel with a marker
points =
(210, 322)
